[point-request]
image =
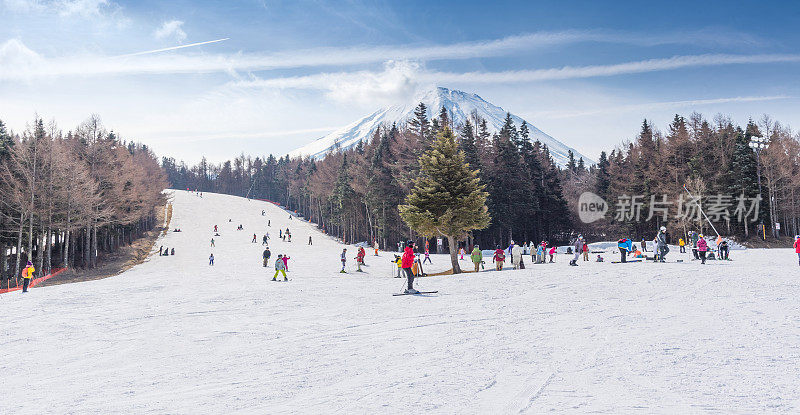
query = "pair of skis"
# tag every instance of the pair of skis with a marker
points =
(416, 293)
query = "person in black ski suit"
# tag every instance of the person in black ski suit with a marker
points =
(266, 256)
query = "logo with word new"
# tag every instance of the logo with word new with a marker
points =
(591, 207)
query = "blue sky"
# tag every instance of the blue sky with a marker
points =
(585, 72)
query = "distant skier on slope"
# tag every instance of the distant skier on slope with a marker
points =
(27, 276)
(254, 238)
(694, 239)
(211, 260)
(344, 260)
(578, 245)
(661, 246)
(406, 264)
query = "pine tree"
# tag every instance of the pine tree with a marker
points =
(571, 165)
(420, 125)
(468, 145)
(448, 198)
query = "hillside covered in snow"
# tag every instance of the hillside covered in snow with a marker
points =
(459, 104)
(177, 335)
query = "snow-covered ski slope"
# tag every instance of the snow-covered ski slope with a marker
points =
(174, 335)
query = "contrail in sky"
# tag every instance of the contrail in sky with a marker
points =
(147, 52)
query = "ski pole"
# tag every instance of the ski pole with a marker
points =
(701, 211)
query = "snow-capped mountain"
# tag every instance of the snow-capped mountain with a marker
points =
(460, 105)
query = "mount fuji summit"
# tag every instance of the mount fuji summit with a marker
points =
(458, 103)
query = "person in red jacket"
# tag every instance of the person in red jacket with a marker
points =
(499, 258)
(406, 263)
(797, 246)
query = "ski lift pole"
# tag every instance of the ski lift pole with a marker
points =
(701, 211)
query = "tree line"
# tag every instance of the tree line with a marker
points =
(354, 194)
(68, 198)
(716, 162)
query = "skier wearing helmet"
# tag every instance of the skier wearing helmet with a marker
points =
(406, 263)
(702, 248)
(661, 241)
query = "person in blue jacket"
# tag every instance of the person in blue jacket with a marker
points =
(625, 245)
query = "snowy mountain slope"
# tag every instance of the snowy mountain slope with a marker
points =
(175, 335)
(459, 104)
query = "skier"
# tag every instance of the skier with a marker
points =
(797, 247)
(280, 233)
(552, 252)
(682, 245)
(694, 238)
(254, 238)
(510, 251)
(290, 236)
(309, 240)
(286, 262)
(262, 212)
(624, 246)
(661, 246)
(406, 263)
(360, 259)
(266, 256)
(477, 257)
(585, 251)
(375, 246)
(264, 240)
(578, 245)
(399, 262)
(427, 256)
(161, 248)
(212, 242)
(724, 250)
(499, 258)
(211, 260)
(280, 266)
(27, 276)
(702, 247)
(539, 254)
(269, 222)
(215, 228)
(173, 251)
(344, 260)
(644, 245)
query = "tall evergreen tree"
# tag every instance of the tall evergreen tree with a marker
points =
(448, 198)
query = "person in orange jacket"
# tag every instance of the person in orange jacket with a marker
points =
(27, 276)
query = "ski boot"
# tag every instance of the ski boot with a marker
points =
(274, 279)
(410, 291)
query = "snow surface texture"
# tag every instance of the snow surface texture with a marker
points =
(174, 335)
(459, 104)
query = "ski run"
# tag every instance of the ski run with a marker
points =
(177, 335)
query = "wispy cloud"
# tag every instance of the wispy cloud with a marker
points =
(99, 65)
(171, 29)
(651, 106)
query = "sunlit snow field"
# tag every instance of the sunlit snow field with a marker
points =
(174, 335)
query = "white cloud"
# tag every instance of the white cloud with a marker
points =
(171, 29)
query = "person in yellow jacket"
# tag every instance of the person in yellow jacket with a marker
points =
(398, 260)
(682, 245)
(27, 276)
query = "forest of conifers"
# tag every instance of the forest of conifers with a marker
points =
(353, 194)
(69, 197)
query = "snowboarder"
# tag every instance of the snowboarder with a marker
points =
(280, 266)
(624, 246)
(265, 255)
(211, 260)
(27, 276)
(702, 247)
(661, 245)
(797, 247)
(406, 263)
(499, 258)
(578, 246)
(477, 257)
(344, 260)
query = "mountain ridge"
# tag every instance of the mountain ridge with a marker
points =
(459, 104)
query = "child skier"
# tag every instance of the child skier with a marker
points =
(499, 258)
(280, 266)
(427, 256)
(344, 260)
(461, 252)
